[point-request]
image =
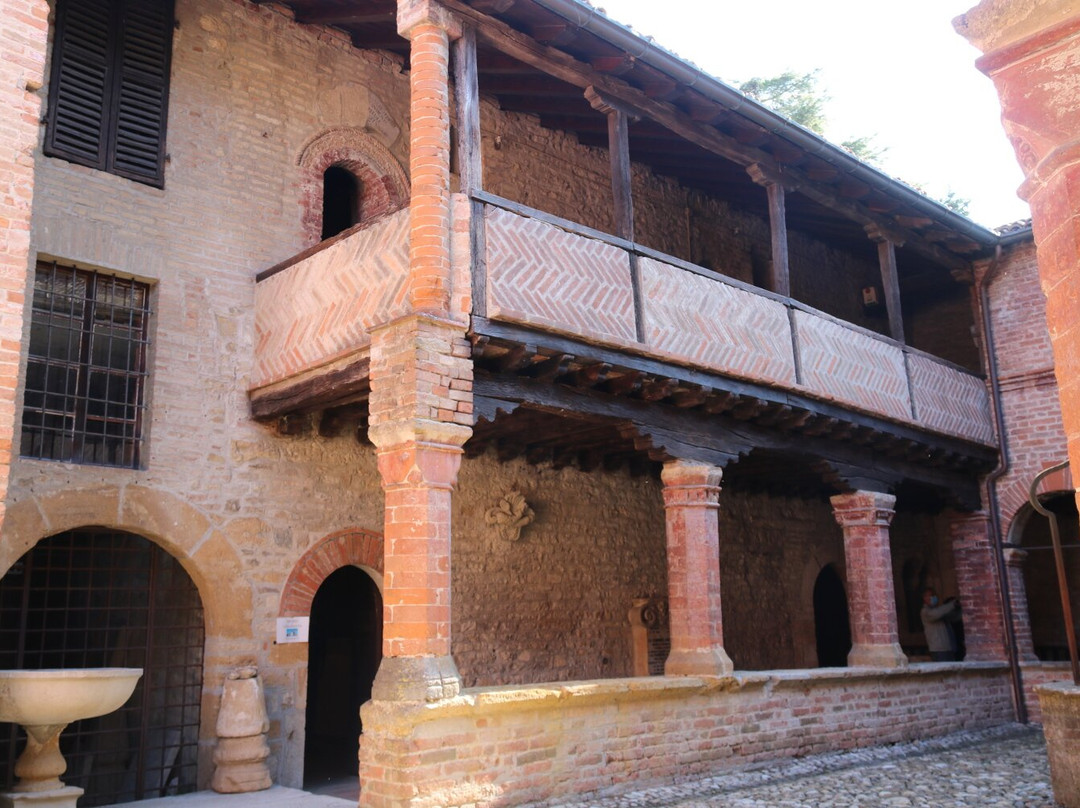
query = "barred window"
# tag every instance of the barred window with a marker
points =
(87, 368)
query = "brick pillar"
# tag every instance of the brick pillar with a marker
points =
(430, 28)
(977, 582)
(1014, 568)
(23, 37)
(691, 492)
(420, 407)
(864, 516)
(1030, 49)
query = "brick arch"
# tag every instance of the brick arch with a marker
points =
(383, 182)
(352, 547)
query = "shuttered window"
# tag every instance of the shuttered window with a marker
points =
(109, 91)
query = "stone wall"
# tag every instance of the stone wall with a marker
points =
(520, 746)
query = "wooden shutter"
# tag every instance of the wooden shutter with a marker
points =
(80, 83)
(109, 92)
(142, 90)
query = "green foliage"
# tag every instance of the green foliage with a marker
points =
(798, 98)
(795, 96)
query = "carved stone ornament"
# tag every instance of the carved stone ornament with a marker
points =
(509, 515)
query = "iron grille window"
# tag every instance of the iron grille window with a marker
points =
(86, 370)
(109, 86)
(96, 598)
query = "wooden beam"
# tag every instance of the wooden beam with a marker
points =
(467, 95)
(890, 282)
(779, 269)
(314, 391)
(619, 151)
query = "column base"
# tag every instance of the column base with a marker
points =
(428, 678)
(65, 797)
(705, 662)
(889, 655)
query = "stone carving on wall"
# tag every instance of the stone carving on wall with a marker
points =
(510, 515)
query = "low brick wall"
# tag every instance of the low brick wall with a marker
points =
(517, 745)
(1034, 674)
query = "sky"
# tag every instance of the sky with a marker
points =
(896, 71)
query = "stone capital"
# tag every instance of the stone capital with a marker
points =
(1015, 557)
(687, 473)
(418, 431)
(415, 464)
(863, 508)
(413, 14)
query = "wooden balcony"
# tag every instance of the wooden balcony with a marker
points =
(550, 276)
(656, 357)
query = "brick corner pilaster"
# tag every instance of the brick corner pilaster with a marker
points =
(978, 586)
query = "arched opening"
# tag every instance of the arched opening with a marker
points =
(1040, 574)
(344, 651)
(92, 598)
(341, 200)
(832, 628)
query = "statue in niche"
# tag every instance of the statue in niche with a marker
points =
(509, 515)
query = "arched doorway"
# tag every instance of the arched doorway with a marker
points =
(1040, 572)
(832, 628)
(99, 598)
(341, 200)
(344, 651)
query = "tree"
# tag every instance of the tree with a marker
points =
(798, 98)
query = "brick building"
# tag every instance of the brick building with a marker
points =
(292, 291)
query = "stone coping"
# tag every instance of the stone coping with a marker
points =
(479, 701)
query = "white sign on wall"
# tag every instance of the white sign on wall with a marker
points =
(292, 629)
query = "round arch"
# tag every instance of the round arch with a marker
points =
(163, 519)
(350, 547)
(384, 185)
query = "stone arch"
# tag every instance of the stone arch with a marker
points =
(383, 182)
(351, 547)
(178, 528)
(805, 638)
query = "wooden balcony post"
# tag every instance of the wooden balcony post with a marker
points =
(470, 164)
(779, 268)
(619, 149)
(890, 281)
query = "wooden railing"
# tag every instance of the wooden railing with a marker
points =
(555, 275)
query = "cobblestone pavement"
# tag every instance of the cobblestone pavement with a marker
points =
(1004, 767)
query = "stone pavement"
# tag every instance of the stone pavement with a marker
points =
(1005, 766)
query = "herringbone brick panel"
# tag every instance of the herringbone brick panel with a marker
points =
(541, 275)
(714, 325)
(853, 368)
(951, 401)
(323, 307)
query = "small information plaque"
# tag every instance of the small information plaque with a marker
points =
(292, 629)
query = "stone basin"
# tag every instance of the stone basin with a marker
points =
(44, 702)
(51, 696)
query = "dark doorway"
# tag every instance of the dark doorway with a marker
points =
(97, 598)
(831, 625)
(1040, 575)
(341, 201)
(345, 648)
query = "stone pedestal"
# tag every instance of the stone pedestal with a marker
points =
(242, 724)
(63, 797)
(1060, 705)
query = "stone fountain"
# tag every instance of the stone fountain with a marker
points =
(44, 702)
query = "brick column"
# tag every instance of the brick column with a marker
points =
(430, 28)
(1030, 49)
(23, 37)
(691, 492)
(1014, 569)
(420, 406)
(864, 516)
(977, 582)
